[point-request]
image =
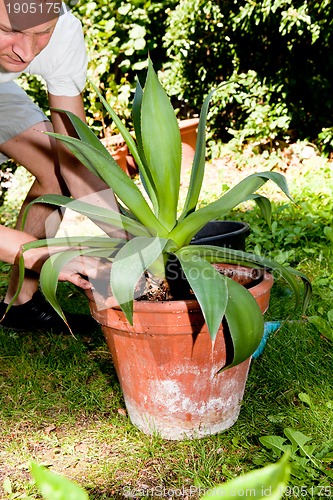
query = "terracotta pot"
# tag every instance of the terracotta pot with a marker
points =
(168, 367)
(188, 131)
(132, 167)
(120, 155)
(118, 149)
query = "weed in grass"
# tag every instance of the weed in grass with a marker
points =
(307, 461)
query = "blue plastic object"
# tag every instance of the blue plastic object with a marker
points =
(269, 328)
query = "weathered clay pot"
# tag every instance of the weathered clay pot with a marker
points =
(168, 366)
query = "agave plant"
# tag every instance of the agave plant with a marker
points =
(157, 230)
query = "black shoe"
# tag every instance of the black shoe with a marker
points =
(38, 314)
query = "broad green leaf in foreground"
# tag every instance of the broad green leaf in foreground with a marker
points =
(268, 482)
(54, 486)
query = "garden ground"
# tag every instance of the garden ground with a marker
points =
(61, 405)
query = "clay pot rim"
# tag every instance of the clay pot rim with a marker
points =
(188, 122)
(161, 306)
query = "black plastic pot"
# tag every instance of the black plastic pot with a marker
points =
(223, 233)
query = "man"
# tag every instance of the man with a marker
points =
(51, 45)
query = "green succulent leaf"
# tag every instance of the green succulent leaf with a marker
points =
(130, 263)
(105, 244)
(218, 296)
(188, 227)
(136, 151)
(245, 322)
(289, 274)
(51, 269)
(122, 128)
(110, 172)
(136, 114)
(209, 287)
(95, 213)
(162, 147)
(265, 207)
(198, 168)
(84, 132)
(145, 174)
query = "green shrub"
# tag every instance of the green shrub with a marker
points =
(280, 51)
(119, 35)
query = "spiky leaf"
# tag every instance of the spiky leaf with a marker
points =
(209, 287)
(162, 147)
(245, 322)
(131, 262)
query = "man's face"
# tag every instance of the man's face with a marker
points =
(18, 46)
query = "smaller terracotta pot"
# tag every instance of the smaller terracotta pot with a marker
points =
(188, 131)
(120, 155)
(118, 149)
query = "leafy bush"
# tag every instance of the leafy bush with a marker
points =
(280, 51)
(119, 35)
(277, 54)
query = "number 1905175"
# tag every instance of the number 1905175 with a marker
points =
(33, 7)
(305, 491)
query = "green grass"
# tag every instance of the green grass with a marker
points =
(61, 405)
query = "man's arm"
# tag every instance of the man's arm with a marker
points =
(79, 180)
(75, 271)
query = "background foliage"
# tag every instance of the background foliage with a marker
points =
(277, 54)
(278, 51)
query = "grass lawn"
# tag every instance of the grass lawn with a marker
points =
(60, 401)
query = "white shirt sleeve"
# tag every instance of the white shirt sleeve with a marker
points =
(63, 62)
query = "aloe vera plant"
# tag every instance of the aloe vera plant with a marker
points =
(156, 230)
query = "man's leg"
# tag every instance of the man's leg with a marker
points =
(37, 152)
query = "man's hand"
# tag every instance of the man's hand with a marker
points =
(79, 270)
